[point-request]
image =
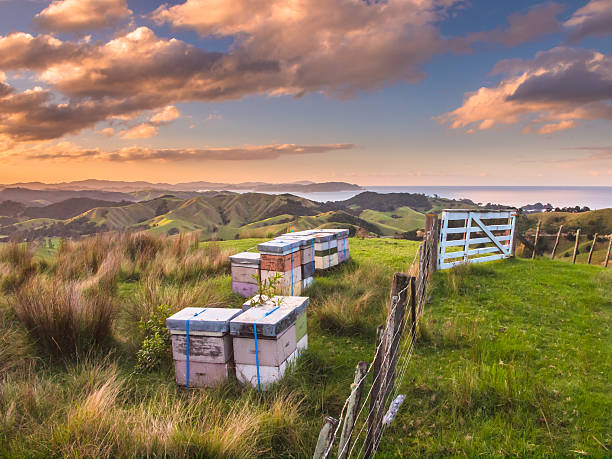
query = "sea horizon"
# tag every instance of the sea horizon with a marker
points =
(594, 197)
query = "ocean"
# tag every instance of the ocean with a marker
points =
(515, 196)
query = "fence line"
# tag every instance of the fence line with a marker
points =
(393, 352)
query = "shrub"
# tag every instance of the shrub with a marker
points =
(154, 347)
(65, 319)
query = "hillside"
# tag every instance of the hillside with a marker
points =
(45, 197)
(591, 222)
(217, 214)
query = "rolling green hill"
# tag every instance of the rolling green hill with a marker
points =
(591, 222)
(221, 215)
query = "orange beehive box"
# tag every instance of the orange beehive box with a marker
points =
(281, 263)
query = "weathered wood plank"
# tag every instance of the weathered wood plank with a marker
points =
(535, 242)
(592, 247)
(576, 246)
(493, 238)
(554, 250)
(326, 438)
(352, 409)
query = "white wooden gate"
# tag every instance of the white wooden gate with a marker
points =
(491, 232)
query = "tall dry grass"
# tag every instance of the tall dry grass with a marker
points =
(94, 411)
(65, 318)
(16, 266)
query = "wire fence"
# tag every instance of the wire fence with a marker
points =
(362, 422)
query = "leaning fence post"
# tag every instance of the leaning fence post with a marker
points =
(608, 254)
(326, 438)
(351, 409)
(376, 380)
(535, 243)
(592, 247)
(413, 308)
(576, 246)
(390, 345)
(554, 250)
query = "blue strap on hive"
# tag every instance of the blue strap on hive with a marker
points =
(187, 346)
(256, 348)
(345, 244)
(291, 273)
(329, 253)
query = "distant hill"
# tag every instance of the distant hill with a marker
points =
(216, 214)
(590, 222)
(128, 187)
(69, 208)
(49, 196)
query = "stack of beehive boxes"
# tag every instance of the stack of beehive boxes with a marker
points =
(307, 256)
(326, 250)
(341, 236)
(245, 273)
(268, 337)
(282, 259)
(201, 345)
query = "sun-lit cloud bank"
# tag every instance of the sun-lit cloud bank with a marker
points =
(64, 151)
(550, 93)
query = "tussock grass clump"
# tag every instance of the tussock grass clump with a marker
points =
(65, 318)
(355, 302)
(16, 349)
(16, 266)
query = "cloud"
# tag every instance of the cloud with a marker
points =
(592, 20)
(108, 132)
(140, 131)
(539, 21)
(67, 151)
(336, 47)
(550, 93)
(556, 127)
(279, 48)
(166, 115)
(82, 15)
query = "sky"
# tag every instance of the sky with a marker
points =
(373, 92)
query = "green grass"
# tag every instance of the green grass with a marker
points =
(513, 359)
(400, 220)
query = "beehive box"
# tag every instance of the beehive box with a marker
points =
(281, 263)
(278, 247)
(245, 272)
(341, 236)
(205, 332)
(285, 278)
(275, 322)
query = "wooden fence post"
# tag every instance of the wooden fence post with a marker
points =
(554, 250)
(592, 247)
(351, 409)
(576, 246)
(326, 437)
(608, 254)
(514, 233)
(535, 243)
(391, 342)
(376, 382)
(413, 306)
(431, 237)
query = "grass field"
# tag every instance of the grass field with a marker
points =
(513, 359)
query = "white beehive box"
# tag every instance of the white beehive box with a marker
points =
(275, 324)
(205, 332)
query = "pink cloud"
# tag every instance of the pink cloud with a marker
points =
(593, 19)
(64, 151)
(82, 15)
(550, 92)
